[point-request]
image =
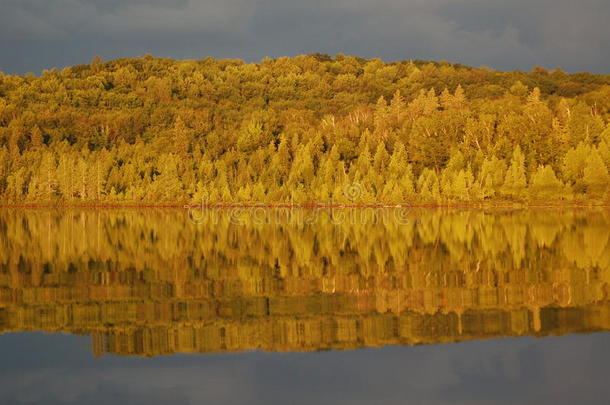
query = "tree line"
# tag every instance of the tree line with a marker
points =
(308, 129)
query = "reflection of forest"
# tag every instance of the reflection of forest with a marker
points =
(153, 282)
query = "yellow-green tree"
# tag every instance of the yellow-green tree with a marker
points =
(515, 181)
(596, 173)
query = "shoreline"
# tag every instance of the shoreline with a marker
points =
(229, 206)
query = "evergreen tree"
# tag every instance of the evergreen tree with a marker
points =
(596, 173)
(250, 137)
(397, 109)
(15, 186)
(575, 161)
(604, 151)
(461, 187)
(181, 138)
(428, 186)
(43, 182)
(515, 181)
(36, 140)
(166, 185)
(66, 179)
(492, 176)
(545, 183)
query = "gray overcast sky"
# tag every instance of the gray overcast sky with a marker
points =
(502, 34)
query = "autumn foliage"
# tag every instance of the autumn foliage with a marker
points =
(302, 130)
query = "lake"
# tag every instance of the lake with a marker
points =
(300, 306)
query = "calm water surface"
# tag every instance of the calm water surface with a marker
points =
(303, 306)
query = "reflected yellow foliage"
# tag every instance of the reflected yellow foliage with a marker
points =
(151, 282)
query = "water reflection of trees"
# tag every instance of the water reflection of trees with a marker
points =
(152, 282)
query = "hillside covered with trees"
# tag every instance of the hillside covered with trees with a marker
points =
(308, 129)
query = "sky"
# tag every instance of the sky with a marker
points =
(500, 34)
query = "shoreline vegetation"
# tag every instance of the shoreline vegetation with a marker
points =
(290, 132)
(310, 206)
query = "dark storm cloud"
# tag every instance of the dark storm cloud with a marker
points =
(504, 34)
(566, 33)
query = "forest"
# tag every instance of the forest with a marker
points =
(311, 129)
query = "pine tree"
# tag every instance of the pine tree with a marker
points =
(15, 184)
(459, 98)
(449, 187)
(596, 173)
(302, 170)
(250, 137)
(259, 195)
(167, 186)
(455, 101)
(362, 165)
(428, 186)
(81, 178)
(406, 184)
(460, 187)
(545, 183)
(181, 138)
(431, 102)
(327, 173)
(244, 194)
(96, 177)
(14, 138)
(533, 97)
(392, 193)
(66, 179)
(515, 181)
(381, 115)
(36, 140)
(604, 151)
(491, 177)
(575, 161)
(446, 99)
(43, 182)
(397, 109)
(398, 161)
(381, 159)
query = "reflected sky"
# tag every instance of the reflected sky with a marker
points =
(59, 369)
(133, 292)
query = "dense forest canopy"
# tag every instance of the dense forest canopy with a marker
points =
(308, 129)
